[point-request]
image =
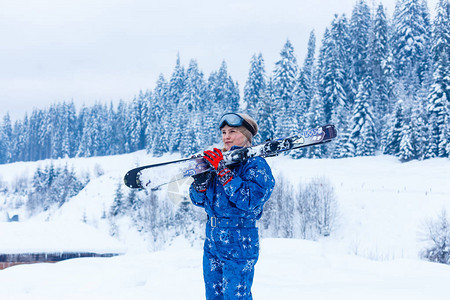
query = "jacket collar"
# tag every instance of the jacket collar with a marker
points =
(235, 147)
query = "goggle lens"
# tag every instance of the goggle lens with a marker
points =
(235, 120)
(232, 120)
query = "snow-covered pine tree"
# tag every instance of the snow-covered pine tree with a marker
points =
(36, 193)
(226, 90)
(335, 80)
(173, 123)
(265, 117)
(304, 92)
(120, 118)
(441, 31)
(116, 132)
(6, 140)
(61, 122)
(407, 149)
(306, 78)
(361, 140)
(190, 141)
(71, 135)
(138, 120)
(56, 119)
(394, 135)
(100, 117)
(36, 124)
(341, 36)
(86, 146)
(223, 97)
(195, 90)
(49, 190)
(117, 206)
(255, 87)
(4, 147)
(331, 75)
(439, 95)
(360, 24)
(438, 107)
(410, 43)
(381, 70)
(285, 80)
(47, 133)
(160, 108)
(20, 148)
(192, 102)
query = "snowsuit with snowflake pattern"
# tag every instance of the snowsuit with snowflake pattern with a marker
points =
(231, 246)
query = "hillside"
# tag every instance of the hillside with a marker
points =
(383, 206)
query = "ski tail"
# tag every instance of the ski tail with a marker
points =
(330, 133)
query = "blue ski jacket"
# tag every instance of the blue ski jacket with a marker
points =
(242, 197)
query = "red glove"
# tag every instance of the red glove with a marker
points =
(215, 159)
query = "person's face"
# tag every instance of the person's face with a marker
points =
(233, 137)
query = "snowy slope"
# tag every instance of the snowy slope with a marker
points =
(288, 269)
(383, 204)
(372, 253)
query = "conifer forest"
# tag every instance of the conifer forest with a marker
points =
(384, 82)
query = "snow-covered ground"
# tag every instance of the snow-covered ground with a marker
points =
(373, 253)
(288, 269)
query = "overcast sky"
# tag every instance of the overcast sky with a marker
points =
(102, 50)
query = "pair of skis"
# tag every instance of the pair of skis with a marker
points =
(156, 175)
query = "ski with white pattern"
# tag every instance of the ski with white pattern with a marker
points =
(157, 175)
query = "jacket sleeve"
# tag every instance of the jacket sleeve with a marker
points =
(197, 198)
(254, 187)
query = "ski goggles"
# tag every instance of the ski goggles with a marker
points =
(235, 120)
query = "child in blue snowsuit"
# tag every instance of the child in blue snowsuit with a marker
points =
(233, 198)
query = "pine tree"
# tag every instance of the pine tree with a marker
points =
(304, 92)
(3, 147)
(342, 51)
(381, 70)
(255, 87)
(410, 43)
(138, 121)
(407, 150)
(285, 80)
(394, 135)
(306, 80)
(441, 31)
(6, 135)
(174, 121)
(360, 35)
(265, 116)
(361, 140)
(118, 205)
(332, 81)
(190, 143)
(439, 95)
(158, 129)
(438, 107)
(195, 91)
(335, 81)
(225, 91)
(223, 96)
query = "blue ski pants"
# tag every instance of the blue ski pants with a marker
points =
(229, 259)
